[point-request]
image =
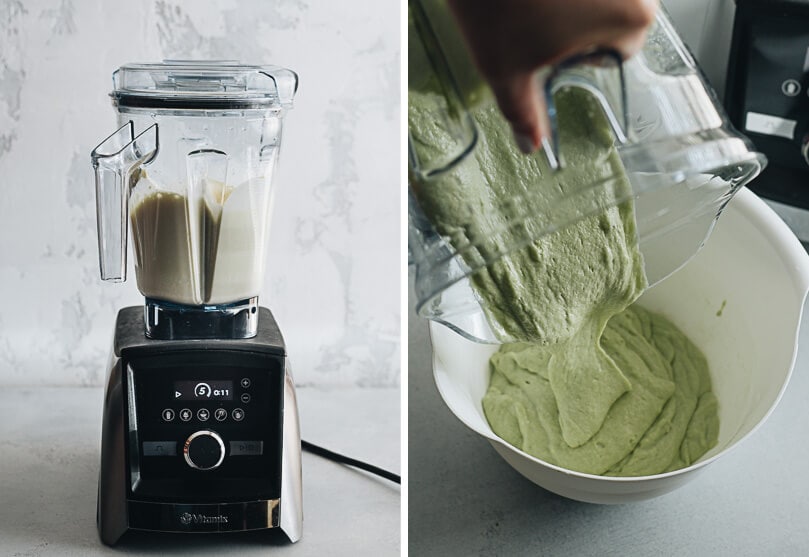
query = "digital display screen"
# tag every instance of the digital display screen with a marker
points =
(203, 390)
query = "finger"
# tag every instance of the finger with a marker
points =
(627, 32)
(628, 46)
(520, 102)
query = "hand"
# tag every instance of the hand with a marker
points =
(511, 39)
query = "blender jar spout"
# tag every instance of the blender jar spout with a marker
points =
(116, 162)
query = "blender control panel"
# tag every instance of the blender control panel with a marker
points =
(767, 92)
(206, 426)
(776, 111)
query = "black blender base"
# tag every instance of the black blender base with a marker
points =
(124, 503)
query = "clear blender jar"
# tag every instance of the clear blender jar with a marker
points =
(189, 174)
(675, 148)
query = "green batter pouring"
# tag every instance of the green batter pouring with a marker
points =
(596, 385)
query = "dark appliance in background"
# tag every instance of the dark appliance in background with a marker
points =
(767, 93)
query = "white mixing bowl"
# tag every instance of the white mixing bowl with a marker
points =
(740, 300)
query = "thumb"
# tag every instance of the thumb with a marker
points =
(522, 104)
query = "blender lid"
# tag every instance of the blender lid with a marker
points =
(203, 84)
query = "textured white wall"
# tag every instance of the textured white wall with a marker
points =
(333, 278)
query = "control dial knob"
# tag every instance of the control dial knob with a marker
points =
(204, 450)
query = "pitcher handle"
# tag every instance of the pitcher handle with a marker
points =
(114, 161)
(577, 71)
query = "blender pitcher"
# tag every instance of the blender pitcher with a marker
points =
(673, 154)
(189, 173)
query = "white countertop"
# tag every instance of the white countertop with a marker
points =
(49, 458)
(465, 500)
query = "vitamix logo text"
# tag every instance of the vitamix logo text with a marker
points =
(186, 519)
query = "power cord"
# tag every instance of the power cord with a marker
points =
(342, 459)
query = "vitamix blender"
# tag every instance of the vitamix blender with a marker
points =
(200, 430)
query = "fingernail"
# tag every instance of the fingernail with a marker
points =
(525, 142)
